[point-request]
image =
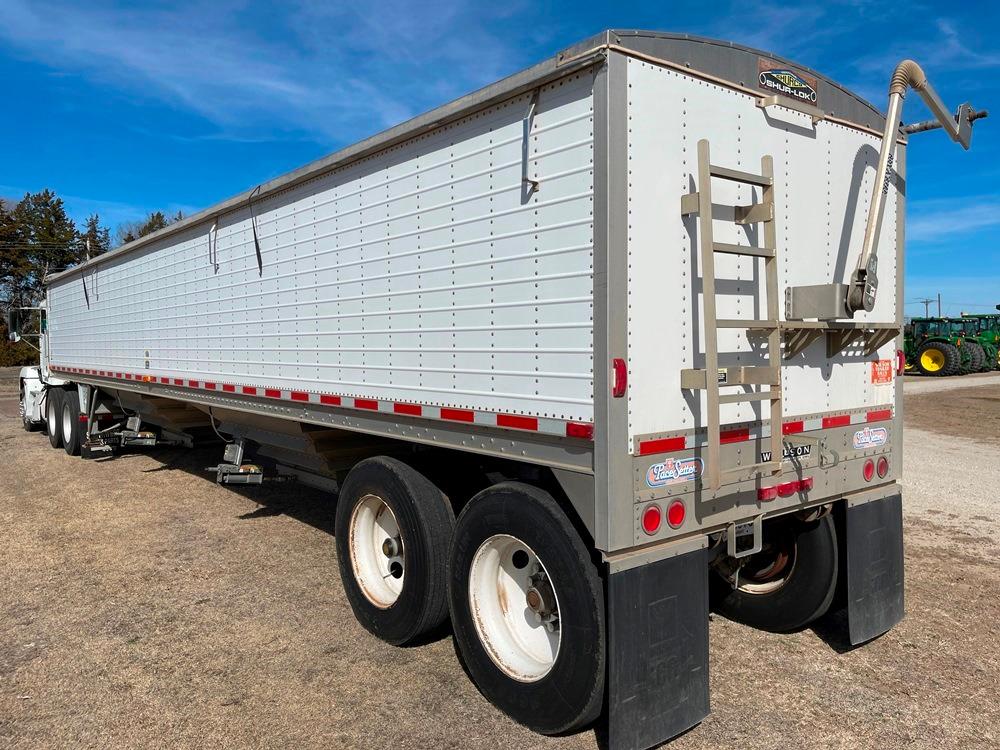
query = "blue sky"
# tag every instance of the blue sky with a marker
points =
(123, 108)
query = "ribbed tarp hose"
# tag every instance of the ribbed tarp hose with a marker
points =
(907, 75)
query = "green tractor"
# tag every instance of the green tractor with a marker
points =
(985, 328)
(940, 346)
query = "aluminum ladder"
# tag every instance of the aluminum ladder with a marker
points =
(712, 379)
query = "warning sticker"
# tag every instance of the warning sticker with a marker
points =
(882, 372)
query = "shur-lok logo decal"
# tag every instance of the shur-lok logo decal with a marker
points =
(870, 437)
(773, 77)
(674, 471)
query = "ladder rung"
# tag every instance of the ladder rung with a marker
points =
(746, 398)
(725, 247)
(736, 175)
(750, 325)
(773, 467)
(744, 375)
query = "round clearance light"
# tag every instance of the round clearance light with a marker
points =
(882, 467)
(651, 518)
(675, 514)
(869, 470)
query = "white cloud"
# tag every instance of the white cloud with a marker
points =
(949, 218)
(333, 71)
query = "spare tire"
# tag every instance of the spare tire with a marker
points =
(785, 586)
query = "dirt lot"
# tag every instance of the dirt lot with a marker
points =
(142, 605)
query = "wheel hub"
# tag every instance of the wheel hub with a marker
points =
(377, 551)
(515, 608)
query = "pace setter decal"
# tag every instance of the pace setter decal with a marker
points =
(870, 437)
(674, 471)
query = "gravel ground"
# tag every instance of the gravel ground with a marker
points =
(142, 605)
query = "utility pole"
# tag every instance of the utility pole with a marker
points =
(927, 306)
(939, 304)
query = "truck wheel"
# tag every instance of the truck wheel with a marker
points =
(785, 586)
(527, 608)
(53, 412)
(26, 422)
(70, 424)
(938, 358)
(393, 531)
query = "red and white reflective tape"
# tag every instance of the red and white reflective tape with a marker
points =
(759, 431)
(522, 422)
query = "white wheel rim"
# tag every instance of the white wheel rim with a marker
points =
(50, 409)
(67, 423)
(377, 552)
(523, 642)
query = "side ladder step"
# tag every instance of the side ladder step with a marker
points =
(727, 376)
(757, 252)
(736, 175)
(768, 467)
(750, 325)
(746, 398)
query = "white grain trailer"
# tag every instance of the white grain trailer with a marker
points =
(583, 351)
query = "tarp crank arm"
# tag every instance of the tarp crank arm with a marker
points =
(908, 74)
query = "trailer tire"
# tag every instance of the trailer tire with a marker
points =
(53, 416)
(549, 688)
(938, 358)
(768, 600)
(69, 424)
(384, 501)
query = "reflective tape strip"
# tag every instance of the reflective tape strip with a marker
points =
(728, 435)
(521, 422)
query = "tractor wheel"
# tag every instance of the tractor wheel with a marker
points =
(938, 358)
(977, 356)
(966, 360)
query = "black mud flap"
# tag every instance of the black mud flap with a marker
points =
(874, 567)
(657, 651)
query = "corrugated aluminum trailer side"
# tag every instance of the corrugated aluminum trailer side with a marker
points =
(606, 311)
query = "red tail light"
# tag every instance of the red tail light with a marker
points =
(785, 489)
(583, 430)
(675, 514)
(900, 362)
(651, 518)
(882, 467)
(619, 377)
(767, 494)
(869, 470)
